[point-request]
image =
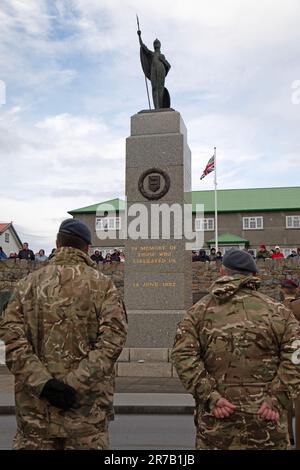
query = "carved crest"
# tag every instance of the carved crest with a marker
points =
(154, 183)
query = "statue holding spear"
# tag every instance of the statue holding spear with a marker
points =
(155, 67)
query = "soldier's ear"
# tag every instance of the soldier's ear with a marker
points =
(57, 244)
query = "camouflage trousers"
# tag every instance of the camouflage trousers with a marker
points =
(34, 441)
(241, 431)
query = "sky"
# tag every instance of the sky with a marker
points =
(72, 75)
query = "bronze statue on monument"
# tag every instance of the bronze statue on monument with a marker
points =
(155, 67)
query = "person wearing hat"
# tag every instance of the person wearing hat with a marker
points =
(277, 253)
(64, 329)
(263, 253)
(233, 352)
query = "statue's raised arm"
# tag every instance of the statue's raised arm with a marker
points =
(141, 41)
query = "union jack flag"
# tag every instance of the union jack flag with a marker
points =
(209, 167)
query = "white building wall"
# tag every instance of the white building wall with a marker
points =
(12, 246)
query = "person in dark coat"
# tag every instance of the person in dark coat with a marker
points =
(202, 256)
(25, 253)
(97, 257)
(115, 256)
(52, 253)
(107, 258)
(2, 254)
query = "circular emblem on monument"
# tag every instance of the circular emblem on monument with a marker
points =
(154, 183)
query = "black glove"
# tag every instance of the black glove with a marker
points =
(59, 394)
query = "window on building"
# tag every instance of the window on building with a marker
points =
(253, 223)
(108, 223)
(206, 225)
(292, 221)
(7, 237)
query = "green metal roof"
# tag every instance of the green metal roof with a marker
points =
(228, 238)
(111, 205)
(229, 200)
(254, 199)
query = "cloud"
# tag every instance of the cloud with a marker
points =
(61, 163)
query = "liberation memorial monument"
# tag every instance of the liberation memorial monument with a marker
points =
(158, 278)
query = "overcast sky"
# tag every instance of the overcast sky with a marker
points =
(73, 79)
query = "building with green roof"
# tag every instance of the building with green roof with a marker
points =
(246, 218)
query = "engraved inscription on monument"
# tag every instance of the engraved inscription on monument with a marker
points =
(153, 254)
(154, 284)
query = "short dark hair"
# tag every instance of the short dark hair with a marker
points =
(64, 239)
(233, 272)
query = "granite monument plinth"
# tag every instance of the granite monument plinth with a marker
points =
(158, 277)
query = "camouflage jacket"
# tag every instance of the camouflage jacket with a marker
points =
(263, 254)
(292, 304)
(295, 307)
(65, 320)
(238, 343)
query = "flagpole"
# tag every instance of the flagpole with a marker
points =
(216, 203)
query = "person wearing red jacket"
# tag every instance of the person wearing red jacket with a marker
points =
(277, 253)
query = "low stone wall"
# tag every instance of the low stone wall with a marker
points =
(116, 272)
(12, 270)
(271, 273)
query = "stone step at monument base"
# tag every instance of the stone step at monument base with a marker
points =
(146, 369)
(145, 362)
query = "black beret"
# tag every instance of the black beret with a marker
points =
(239, 260)
(77, 228)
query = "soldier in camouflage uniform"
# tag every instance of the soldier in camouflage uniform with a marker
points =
(295, 307)
(234, 352)
(289, 290)
(64, 329)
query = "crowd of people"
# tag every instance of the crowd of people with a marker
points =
(26, 253)
(202, 256)
(262, 253)
(119, 256)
